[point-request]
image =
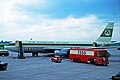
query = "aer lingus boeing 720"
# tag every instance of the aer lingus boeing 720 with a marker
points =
(36, 47)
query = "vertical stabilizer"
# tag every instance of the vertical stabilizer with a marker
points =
(107, 33)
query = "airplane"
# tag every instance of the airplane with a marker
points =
(55, 47)
(115, 44)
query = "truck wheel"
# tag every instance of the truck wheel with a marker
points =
(91, 61)
(79, 60)
(96, 63)
(74, 60)
(59, 61)
(105, 64)
(6, 54)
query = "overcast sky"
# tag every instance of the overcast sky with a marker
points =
(69, 20)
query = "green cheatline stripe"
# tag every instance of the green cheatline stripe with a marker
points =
(55, 44)
(104, 39)
(1, 46)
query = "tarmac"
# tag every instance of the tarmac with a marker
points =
(41, 68)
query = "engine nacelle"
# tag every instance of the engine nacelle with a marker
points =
(62, 52)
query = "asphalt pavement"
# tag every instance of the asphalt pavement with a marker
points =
(41, 68)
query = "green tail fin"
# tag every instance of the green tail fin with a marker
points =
(107, 33)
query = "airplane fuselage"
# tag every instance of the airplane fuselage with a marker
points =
(39, 47)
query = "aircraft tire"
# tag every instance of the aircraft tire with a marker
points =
(6, 54)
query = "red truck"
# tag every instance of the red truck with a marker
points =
(89, 55)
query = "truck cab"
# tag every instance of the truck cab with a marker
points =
(101, 57)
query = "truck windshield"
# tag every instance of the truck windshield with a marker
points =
(102, 54)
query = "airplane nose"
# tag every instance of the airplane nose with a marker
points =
(11, 48)
(6, 47)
